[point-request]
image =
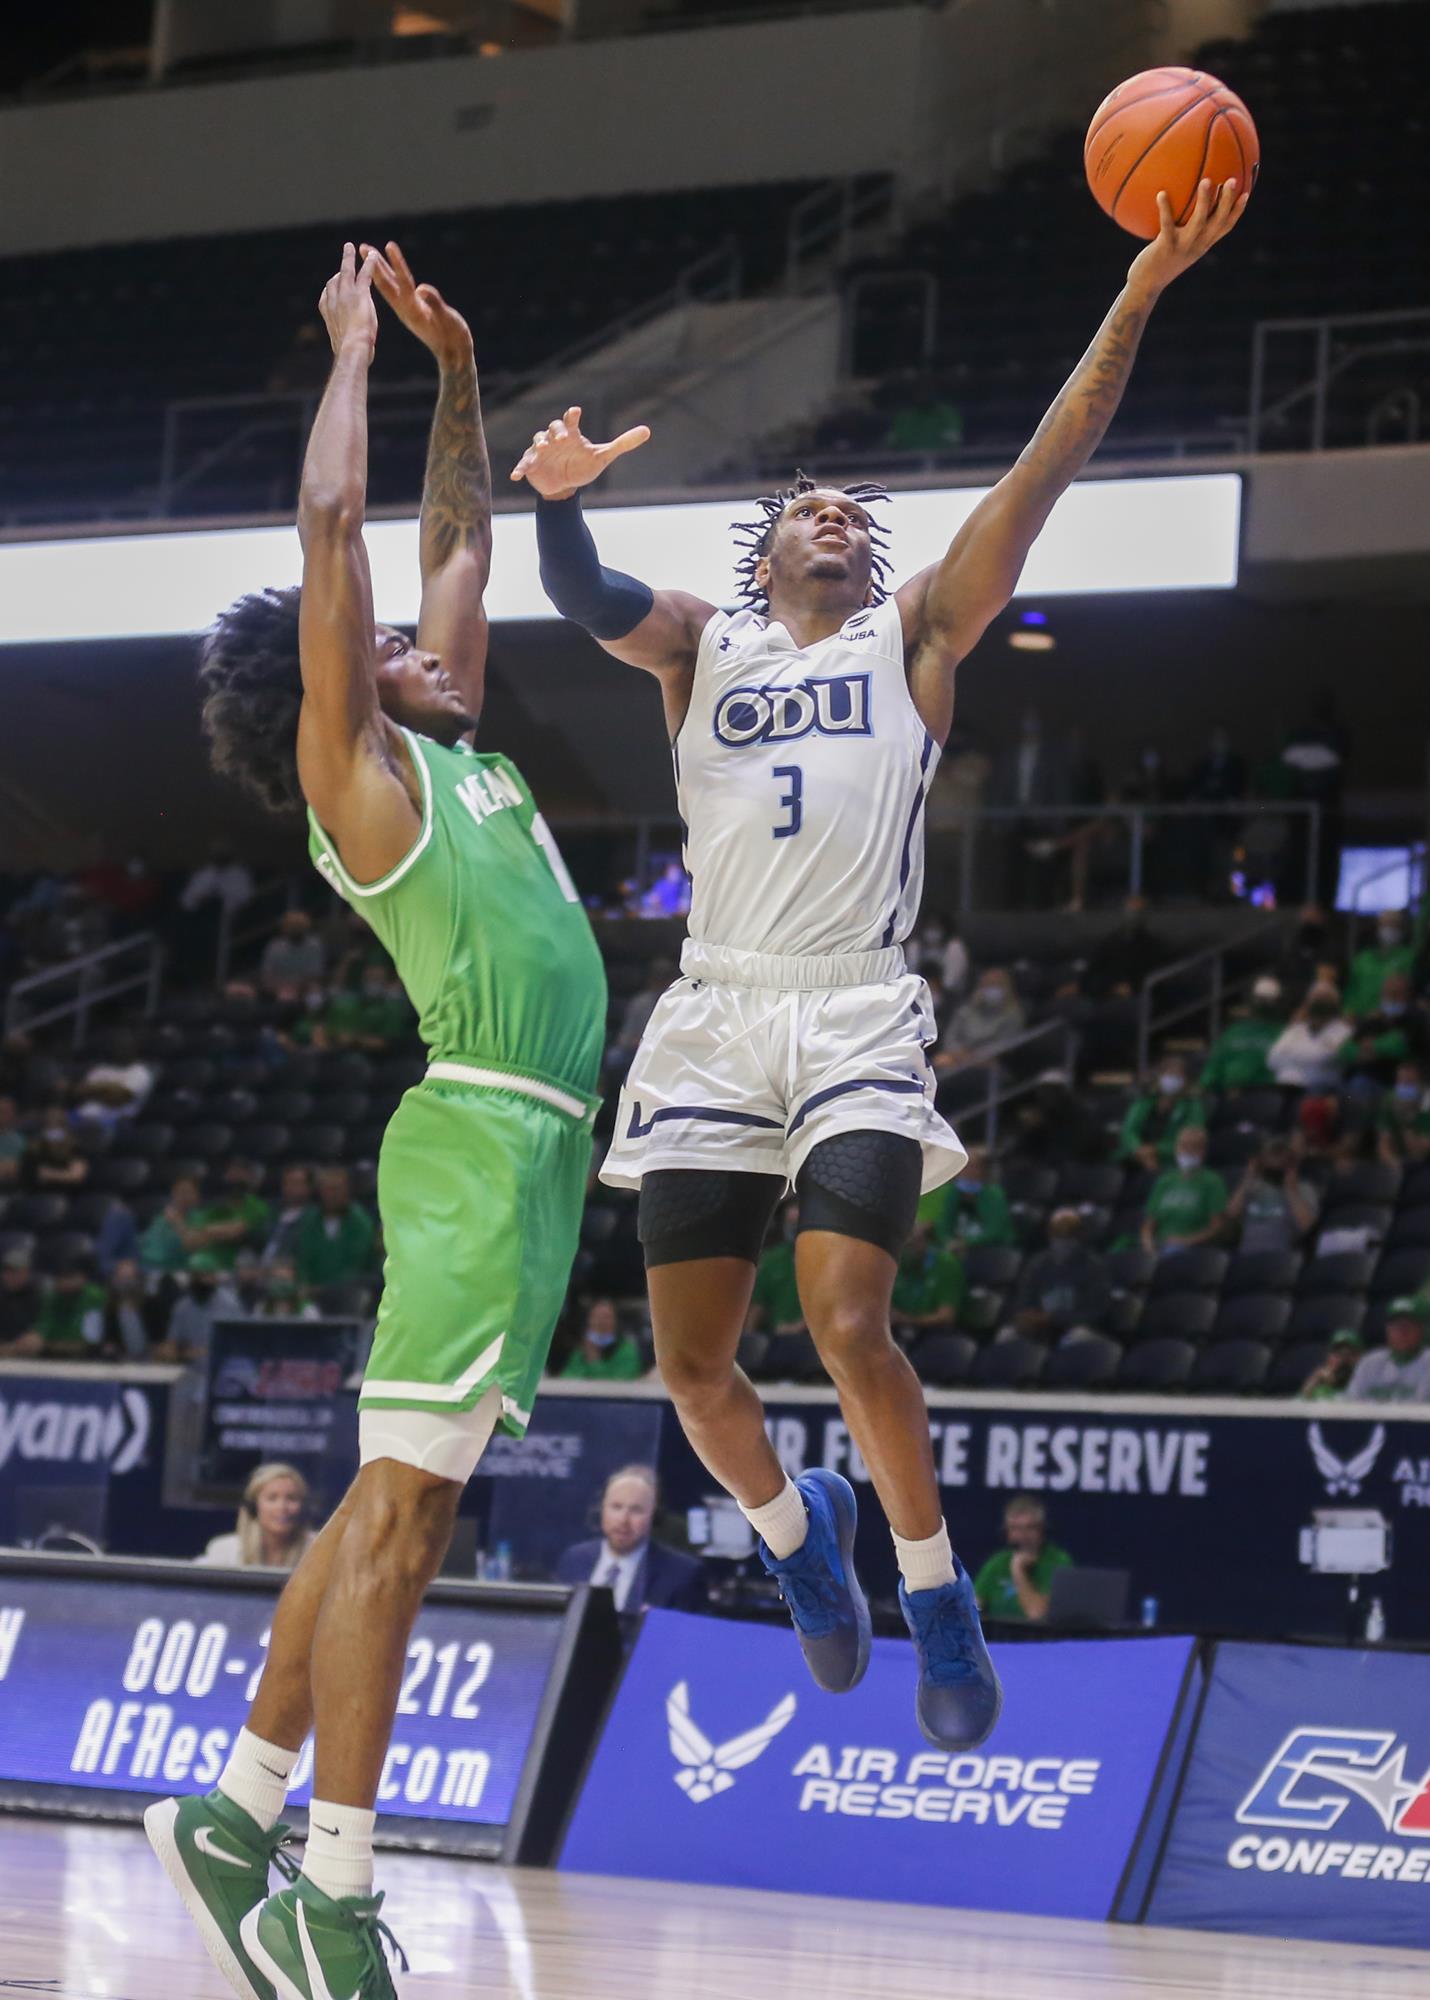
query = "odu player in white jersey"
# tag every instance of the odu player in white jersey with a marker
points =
(806, 729)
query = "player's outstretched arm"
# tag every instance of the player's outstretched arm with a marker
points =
(456, 528)
(345, 755)
(947, 608)
(658, 630)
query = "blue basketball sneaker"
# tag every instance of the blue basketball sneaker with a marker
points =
(820, 1588)
(960, 1694)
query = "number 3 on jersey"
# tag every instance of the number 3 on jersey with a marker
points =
(792, 801)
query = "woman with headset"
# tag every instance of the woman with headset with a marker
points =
(273, 1531)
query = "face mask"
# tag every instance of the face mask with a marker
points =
(1188, 1162)
(600, 1339)
(971, 1186)
(1407, 1092)
(56, 1134)
(1392, 1009)
(992, 997)
(1169, 1081)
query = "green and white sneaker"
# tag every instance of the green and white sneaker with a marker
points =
(218, 1859)
(311, 1946)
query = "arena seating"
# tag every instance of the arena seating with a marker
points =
(94, 344)
(1025, 270)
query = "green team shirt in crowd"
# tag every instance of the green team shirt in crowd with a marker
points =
(776, 1293)
(71, 1319)
(491, 943)
(377, 1016)
(251, 1210)
(1183, 1204)
(620, 1363)
(1237, 1059)
(334, 1250)
(994, 1587)
(1141, 1126)
(924, 1285)
(981, 1217)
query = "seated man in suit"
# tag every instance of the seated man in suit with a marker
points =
(638, 1571)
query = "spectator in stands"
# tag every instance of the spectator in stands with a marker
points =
(971, 1210)
(1016, 1583)
(1399, 1372)
(625, 1559)
(638, 1011)
(774, 1304)
(1123, 959)
(1064, 1288)
(277, 1293)
(991, 1016)
(130, 1319)
(1330, 1379)
(604, 1353)
(371, 1018)
(209, 1295)
(1054, 1124)
(70, 1322)
(1396, 1031)
(237, 1219)
(1187, 1205)
(939, 952)
(1308, 958)
(112, 1091)
(1237, 1058)
(1403, 1121)
(293, 959)
(12, 1145)
(335, 1241)
(116, 1238)
(1394, 950)
(1305, 1054)
(20, 1296)
(295, 1198)
(669, 894)
(930, 1286)
(222, 882)
(173, 1237)
(53, 1162)
(1163, 1109)
(274, 1525)
(1274, 1207)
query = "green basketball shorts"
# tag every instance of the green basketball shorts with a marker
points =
(480, 1183)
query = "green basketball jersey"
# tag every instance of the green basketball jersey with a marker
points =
(484, 924)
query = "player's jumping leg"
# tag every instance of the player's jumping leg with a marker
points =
(858, 1196)
(702, 1231)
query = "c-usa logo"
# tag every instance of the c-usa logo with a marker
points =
(837, 707)
(706, 1767)
(1344, 1475)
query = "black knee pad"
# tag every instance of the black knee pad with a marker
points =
(863, 1184)
(691, 1212)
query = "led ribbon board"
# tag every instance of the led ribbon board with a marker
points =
(1104, 537)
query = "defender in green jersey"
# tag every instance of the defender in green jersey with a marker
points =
(483, 1168)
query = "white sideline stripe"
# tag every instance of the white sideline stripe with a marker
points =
(438, 1392)
(499, 1079)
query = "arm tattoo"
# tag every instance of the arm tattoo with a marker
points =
(457, 493)
(1077, 422)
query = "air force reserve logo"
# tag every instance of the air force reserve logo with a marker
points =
(1345, 1475)
(1346, 1780)
(836, 707)
(705, 1766)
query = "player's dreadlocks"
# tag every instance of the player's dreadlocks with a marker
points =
(252, 689)
(758, 535)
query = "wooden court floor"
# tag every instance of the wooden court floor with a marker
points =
(85, 1914)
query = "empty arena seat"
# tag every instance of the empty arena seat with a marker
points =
(1157, 1364)
(1090, 1363)
(1262, 1316)
(1231, 1367)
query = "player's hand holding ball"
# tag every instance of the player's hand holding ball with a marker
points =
(1172, 155)
(559, 461)
(347, 306)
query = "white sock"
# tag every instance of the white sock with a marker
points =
(782, 1523)
(338, 1857)
(257, 1776)
(925, 1565)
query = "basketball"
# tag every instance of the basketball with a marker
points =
(1167, 129)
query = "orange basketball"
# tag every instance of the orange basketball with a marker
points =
(1167, 128)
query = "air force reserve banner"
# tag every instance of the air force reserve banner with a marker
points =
(723, 1763)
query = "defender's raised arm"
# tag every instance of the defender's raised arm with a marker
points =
(947, 608)
(456, 527)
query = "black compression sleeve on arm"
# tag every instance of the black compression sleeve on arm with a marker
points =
(606, 602)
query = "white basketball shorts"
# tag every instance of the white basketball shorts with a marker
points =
(749, 1061)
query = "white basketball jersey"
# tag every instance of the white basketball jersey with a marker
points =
(801, 777)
